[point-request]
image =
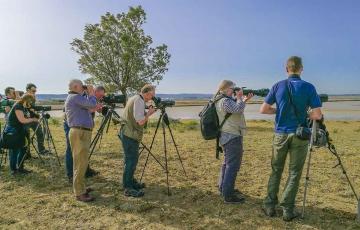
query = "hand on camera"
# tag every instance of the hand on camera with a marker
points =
(90, 90)
(151, 111)
(239, 94)
(98, 108)
(7, 109)
(248, 97)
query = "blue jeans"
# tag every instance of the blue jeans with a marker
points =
(68, 153)
(231, 166)
(16, 158)
(131, 152)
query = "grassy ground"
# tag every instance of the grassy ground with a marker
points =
(44, 199)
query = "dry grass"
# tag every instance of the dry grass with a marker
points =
(38, 202)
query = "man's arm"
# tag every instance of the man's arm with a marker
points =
(315, 114)
(267, 109)
(86, 102)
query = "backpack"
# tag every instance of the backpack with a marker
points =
(209, 122)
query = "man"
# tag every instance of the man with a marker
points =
(99, 94)
(131, 133)
(31, 90)
(77, 109)
(293, 97)
(9, 99)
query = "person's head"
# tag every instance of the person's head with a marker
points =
(31, 89)
(294, 65)
(226, 87)
(10, 93)
(99, 92)
(76, 85)
(27, 100)
(148, 92)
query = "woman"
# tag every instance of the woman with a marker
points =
(15, 121)
(231, 137)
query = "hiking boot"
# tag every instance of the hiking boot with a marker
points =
(70, 179)
(91, 173)
(290, 214)
(24, 171)
(88, 190)
(133, 192)
(234, 199)
(137, 185)
(269, 211)
(85, 198)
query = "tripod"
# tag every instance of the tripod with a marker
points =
(48, 139)
(105, 123)
(332, 149)
(164, 120)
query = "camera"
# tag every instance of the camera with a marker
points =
(42, 108)
(257, 92)
(114, 99)
(160, 104)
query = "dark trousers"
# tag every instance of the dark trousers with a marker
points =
(16, 158)
(39, 135)
(231, 166)
(131, 152)
(68, 153)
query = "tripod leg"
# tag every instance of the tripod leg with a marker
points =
(99, 133)
(151, 145)
(166, 160)
(34, 136)
(307, 178)
(177, 151)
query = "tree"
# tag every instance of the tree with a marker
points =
(118, 54)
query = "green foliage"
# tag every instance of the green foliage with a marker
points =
(118, 54)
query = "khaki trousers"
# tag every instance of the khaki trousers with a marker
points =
(80, 145)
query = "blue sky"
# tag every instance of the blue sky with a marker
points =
(246, 41)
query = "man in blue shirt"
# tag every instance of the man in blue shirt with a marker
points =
(295, 100)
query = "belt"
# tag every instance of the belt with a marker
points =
(81, 128)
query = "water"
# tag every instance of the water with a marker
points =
(345, 110)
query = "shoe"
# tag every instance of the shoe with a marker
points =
(13, 172)
(85, 198)
(88, 190)
(269, 211)
(44, 152)
(290, 214)
(70, 178)
(137, 185)
(133, 192)
(91, 173)
(24, 171)
(234, 199)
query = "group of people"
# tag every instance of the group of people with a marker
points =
(295, 99)
(20, 116)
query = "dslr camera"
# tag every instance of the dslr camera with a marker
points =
(162, 104)
(257, 92)
(114, 99)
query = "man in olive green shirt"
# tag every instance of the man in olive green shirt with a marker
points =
(135, 118)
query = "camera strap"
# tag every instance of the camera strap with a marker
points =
(288, 87)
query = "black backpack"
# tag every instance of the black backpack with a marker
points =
(209, 122)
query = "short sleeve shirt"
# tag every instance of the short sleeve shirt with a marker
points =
(304, 96)
(139, 109)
